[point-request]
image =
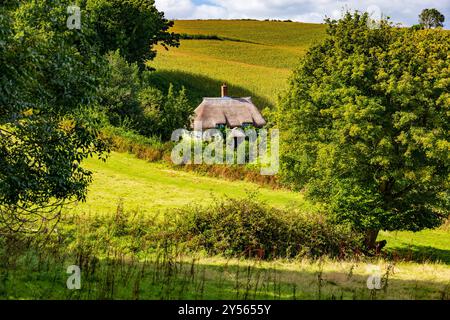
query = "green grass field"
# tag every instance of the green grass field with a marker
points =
(152, 187)
(257, 64)
(419, 269)
(218, 278)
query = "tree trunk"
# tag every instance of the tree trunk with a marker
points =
(371, 238)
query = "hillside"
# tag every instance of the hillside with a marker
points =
(150, 187)
(255, 58)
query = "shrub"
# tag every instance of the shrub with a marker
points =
(151, 100)
(162, 114)
(231, 227)
(234, 173)
(186, 36)
(119, 94)
(247, 227)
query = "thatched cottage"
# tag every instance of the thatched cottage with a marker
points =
(228, 112)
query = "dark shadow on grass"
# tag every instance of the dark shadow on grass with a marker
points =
(419, 254)
(185, 36)
(199, 86)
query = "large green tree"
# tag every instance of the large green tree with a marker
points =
(365, 125)
(48, 82)
(132, 26)
(431, 18)
(50, 77)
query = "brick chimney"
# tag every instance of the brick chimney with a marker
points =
(224, 90)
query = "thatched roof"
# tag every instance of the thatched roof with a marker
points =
(231, 112)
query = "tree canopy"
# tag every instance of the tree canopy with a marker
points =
(132, 26)
(431, 18)
(365, 125)
(50, 77)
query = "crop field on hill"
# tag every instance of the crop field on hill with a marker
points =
(254, 59)
(291, 34)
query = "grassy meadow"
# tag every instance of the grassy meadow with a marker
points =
(218, 278)
(255, 58)
(419, 269)
(152, 187)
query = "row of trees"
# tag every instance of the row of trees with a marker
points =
(52, 94)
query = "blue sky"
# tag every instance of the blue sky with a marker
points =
(403, 11)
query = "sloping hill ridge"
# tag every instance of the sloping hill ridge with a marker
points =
(255, 58)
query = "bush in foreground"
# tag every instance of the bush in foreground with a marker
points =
(232, 228)
(247, 227)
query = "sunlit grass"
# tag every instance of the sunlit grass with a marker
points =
(266, 32)
(261, 82)
(219, 278)
(423, 245)
(248, 53)
(151, 187)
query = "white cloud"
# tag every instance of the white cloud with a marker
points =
(175, 8)
(404, 11)
(209, 12)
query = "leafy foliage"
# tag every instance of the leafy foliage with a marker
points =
(431, 18)
(119, 92)
(175, 112)
(48, 75)
(132, 26)
(49, 83)
(247, 227)
(365, 125)
(129, 100)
